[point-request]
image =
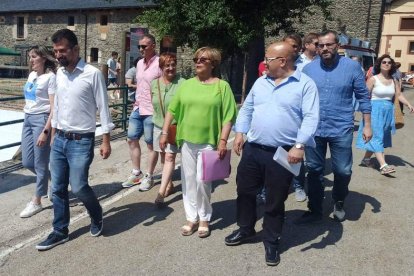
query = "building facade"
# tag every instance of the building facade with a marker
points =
(99, 25)
(397, 38)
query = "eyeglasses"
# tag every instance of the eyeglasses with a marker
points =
(328, 45)
(270, 59)
(143, 47)
(200, 60)
(385, 62)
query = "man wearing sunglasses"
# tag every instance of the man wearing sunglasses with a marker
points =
(338, 79)
(140, 120)
(281, 110)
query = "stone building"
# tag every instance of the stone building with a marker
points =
(99, 25)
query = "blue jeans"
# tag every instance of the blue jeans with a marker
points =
(298, 182)
(36, 158)
(69, 163)
(341, 156)
(140, 125)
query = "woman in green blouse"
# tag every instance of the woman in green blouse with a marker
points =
(205, 110)
(163, 89)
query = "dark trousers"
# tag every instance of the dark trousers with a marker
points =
(255, 168)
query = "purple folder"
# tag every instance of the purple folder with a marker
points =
(213, 167)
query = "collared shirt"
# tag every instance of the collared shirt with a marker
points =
(279, 115)
(301, 61)
(336, 86)
(146, 72)
(78, 96)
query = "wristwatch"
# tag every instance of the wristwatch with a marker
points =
(299, 146)
(46, 131)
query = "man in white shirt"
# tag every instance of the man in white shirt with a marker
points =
(80, 93)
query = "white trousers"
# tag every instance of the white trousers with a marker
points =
(196, 193)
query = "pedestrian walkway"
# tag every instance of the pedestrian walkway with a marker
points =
(138, 239)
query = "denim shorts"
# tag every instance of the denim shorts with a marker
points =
(140, 125)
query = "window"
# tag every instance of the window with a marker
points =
(407, 24)
(94, 55)
(20, 27)
(411, 47)
(104, 20)
(71, 20)
(397, 53)
(2, 20)
(411, 66)
(39, 19)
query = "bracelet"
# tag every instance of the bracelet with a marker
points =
(164, 133)
(223, 140)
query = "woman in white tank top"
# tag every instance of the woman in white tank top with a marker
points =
(383, 89)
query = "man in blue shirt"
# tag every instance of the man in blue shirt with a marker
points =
(338, 79)
(281, 110)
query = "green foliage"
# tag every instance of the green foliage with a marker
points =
(226, 24)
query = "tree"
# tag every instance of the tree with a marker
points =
(229, 25)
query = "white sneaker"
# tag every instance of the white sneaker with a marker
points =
(300, 195)
(132, 180)
(31, 209)
(146, 183)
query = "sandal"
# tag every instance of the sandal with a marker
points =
(366, 162)
(203, 232)
(387, 169)
(187, 230)
(159, 201)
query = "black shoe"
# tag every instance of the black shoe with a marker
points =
(309, 218)
(96, 228)
(272, 256)
(238, 237)
(51, 241)
(339, 212)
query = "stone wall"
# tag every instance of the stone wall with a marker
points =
(87, 24)
(356, 18)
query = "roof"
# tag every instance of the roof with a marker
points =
(13, 6)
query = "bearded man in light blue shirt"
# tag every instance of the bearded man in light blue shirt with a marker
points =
(338, 79)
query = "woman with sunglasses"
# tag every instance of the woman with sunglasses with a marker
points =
(205, 110)
(162, 91)
(39, 94)
(382, 88)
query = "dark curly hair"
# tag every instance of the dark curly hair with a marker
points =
(377, 66)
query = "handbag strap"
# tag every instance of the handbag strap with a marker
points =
(159, 97)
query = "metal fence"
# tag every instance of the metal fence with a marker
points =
(123, 105)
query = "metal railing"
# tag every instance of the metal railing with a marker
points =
(123, 120)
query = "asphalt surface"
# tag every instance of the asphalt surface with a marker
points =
(138, 239)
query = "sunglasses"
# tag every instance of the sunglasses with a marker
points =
(200, 60)
(385, 62)
(270, 59)
(143, 47)
(328, 45)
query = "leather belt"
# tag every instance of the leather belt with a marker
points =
(268, 148)
(74, 136)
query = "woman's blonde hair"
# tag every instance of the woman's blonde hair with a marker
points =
(214, 55)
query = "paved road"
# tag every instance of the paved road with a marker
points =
(376, 239)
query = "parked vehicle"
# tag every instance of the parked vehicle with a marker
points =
(353, 47)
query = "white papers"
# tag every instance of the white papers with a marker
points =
(281, 157)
